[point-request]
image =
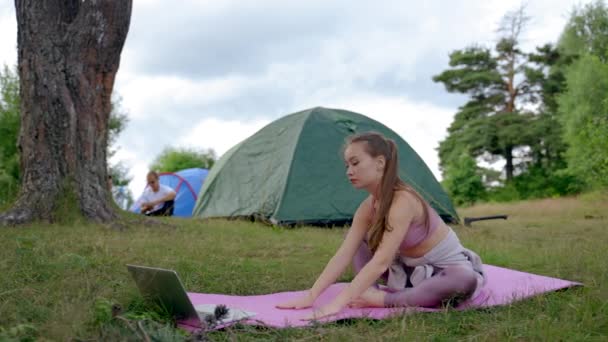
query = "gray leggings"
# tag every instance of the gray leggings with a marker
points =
(450, 284)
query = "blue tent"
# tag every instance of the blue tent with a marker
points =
(186, 183)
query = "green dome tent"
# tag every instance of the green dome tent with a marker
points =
(292, 172)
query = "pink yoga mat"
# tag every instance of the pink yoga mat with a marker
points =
(503, 286)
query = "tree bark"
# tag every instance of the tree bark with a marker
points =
(68, 56)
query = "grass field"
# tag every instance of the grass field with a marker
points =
(61, 282)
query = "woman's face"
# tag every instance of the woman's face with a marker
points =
(363, 170)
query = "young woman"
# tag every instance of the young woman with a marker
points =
(395, 236)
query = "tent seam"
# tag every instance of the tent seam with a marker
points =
(211, 182)
(280, 204)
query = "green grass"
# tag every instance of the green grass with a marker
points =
(59, 282)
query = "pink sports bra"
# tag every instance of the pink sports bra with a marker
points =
(417, 231)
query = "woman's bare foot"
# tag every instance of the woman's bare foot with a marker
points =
(372, 297)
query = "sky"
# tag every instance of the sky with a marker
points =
(208, 74)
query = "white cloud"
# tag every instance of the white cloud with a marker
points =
(221, 134)
(145, 92)
(8, 44)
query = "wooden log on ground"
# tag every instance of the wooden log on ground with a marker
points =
(469, 220)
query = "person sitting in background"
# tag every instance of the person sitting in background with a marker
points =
(157, 199)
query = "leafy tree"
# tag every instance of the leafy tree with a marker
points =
(120, 191)
(463, 181)
(583, 108)
(587, 32)
(547, 144)
(9, 130)
(493, 122)
(511, 113)
(175, 159)
(117, 123)
(584, 113)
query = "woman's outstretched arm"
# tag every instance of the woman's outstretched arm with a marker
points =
(404, 208)
(341, 259)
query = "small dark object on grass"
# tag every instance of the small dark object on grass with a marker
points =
(116, 310)
(220, 312)
(469, 220)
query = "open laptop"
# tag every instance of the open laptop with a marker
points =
(164, 287)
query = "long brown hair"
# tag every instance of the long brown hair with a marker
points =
(377, 145)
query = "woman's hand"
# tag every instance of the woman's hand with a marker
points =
(371, 298)
(302, 302)
(323, 312)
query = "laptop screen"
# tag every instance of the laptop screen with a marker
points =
(164, 288)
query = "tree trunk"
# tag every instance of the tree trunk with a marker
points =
(68, 55)
(509, 166)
